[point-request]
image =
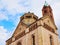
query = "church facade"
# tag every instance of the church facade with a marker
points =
(34, 31)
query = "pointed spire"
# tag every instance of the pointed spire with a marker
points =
(45, 4)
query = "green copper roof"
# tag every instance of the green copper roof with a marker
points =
(45, 4)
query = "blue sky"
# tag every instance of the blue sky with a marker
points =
(12, 10)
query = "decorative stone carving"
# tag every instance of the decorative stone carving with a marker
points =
(27, 30)
(13, 39)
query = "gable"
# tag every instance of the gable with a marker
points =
(21, 27)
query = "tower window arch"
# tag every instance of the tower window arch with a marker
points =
(50, 11)
(51, 40)
(33, 39)
(19, 43)
(45, 11)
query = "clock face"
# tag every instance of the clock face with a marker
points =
(26, 21)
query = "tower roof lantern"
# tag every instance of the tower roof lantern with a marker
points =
(46, 4)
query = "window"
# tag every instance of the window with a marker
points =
(53, 31)
(28, 16)
(51, 16)
(50, 11)
(45, 11)
(19, 43)
(33, 39)
(51, 40)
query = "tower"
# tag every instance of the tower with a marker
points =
(47, 10)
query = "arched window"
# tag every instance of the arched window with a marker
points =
(45, 11)
(19, 43)
(33, 39)
(50, 11)
(51, 40)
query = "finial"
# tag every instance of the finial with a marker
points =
(29, 12)
(45, 4)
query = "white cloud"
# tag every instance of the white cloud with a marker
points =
(3, 17)
(56, 11)
(15, 6)
(4, 35)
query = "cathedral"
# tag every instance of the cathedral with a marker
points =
(32, 30)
